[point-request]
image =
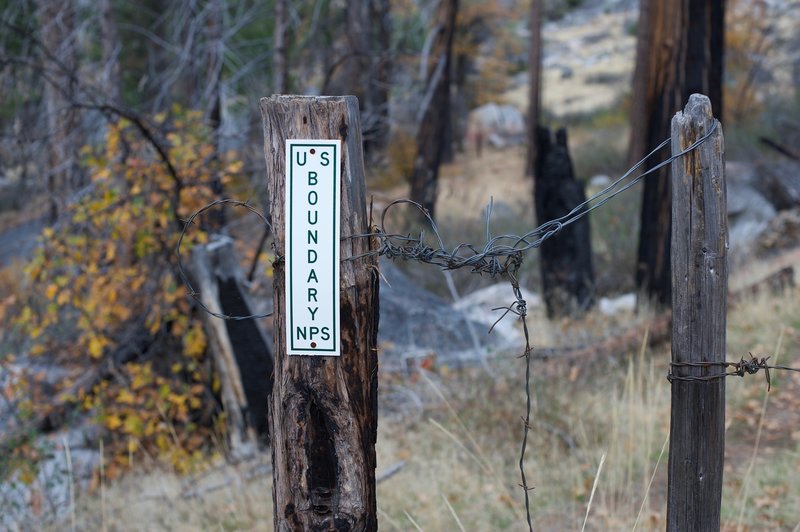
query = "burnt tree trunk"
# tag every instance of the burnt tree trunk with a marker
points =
(679, 52)
(566, 258)
(434, 110)
(323, 409)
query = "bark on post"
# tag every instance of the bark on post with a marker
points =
(699, 290)
(323, 410)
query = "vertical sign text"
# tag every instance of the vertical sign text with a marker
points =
(312, 247)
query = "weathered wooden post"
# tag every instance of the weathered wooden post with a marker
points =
(699, 308)
(323, 409)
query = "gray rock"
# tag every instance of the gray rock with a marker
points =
(749, 213)
(782, 232)
(611, 306)
(501, 125)
(416, 323)
(599, 182)
(478, 307)
(56, 475)
(780, 183)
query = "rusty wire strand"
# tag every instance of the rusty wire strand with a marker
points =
(740, 369)
(521, 310)
(501, 255)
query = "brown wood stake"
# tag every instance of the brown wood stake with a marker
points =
(699, 290)
(323, 410)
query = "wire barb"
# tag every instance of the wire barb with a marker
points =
(740, 369)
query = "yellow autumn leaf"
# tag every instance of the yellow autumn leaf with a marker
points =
(139, 381)
(37, 349)
(25, 316)
(27, 476)
(133, 425)
(126, 397)
(194, 342)
(63, 297)
(51, 290)
(95, 347)
(113, 422)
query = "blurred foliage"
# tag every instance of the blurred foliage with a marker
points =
(750, 38)
(107, 272)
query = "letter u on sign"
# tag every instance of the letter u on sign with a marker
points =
(312, 264)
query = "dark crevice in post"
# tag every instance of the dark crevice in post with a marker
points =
(323, 466)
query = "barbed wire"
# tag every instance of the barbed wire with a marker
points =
(740, 369)
(500, 255)
(503, 253)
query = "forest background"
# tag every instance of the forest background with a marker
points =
(120, 119)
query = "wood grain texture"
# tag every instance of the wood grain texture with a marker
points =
(323, 410)
(699, 295)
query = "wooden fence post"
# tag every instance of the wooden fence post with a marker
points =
(699, 308)
(323, 409)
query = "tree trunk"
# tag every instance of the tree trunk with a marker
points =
(380, 78)
(535, 84)
(323, 409)
(214, 63)
(679, 51)
(58, 36)
(111, 47)
(280, 63)
(435, 105)
(566, 259)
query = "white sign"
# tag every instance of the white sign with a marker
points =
(312, 247)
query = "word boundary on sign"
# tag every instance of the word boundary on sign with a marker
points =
(312, 247)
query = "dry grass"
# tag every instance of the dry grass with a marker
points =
(460, 450)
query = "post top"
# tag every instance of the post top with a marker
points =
(698, 105)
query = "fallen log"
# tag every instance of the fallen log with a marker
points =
(239, 347)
